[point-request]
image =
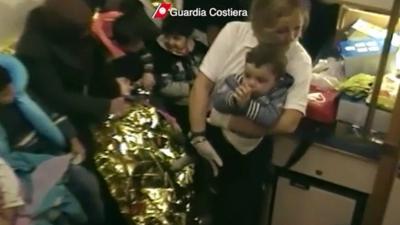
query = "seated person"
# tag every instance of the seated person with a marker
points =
(136, 66)
(176, 58)
(10, 195)
(26, 128)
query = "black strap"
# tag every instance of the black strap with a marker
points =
(308, 133)
(299, 152)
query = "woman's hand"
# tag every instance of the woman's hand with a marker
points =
(119, 107)
(207, 151)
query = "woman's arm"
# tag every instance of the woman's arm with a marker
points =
(287, 123)
(199, 102)
(45, 82)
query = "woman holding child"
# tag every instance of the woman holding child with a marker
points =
(236, 147)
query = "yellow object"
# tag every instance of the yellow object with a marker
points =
(134, 154)
(388, 93)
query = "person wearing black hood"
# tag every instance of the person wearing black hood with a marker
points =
(67, 72)
(67, 67)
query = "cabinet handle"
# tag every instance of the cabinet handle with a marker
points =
(300, 185)
(319, 172)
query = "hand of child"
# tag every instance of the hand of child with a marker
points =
(207, 151)
(78, 151)
(242, 95)
(119, 107)
(125, 85)
(148, 81)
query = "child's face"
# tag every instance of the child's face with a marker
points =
(260, 79)
(7, 95)
(176, 43)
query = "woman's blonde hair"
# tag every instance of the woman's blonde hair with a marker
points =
(265, 13)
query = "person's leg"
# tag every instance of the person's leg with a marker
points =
(239, 184)
(221, 205)
(205, 187)
(113, 215)
(231, 194)
(257, 167)
(85, 187)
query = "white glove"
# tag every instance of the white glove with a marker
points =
(182, 162)
(207, 151)
(219, 119)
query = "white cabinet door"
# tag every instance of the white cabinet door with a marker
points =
(312, 206)
(392, 215)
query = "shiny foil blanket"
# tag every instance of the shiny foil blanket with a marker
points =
(133, 155)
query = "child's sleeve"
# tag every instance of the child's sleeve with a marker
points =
(10, 193)
(166, 82)
(263, 113)
(148, 61)
(223, 100)
(266, 110)
(66, 127)
(174, 89)
(61, 121)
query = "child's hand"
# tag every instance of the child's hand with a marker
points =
(125, 85)
(78, 151)
(148, 81)
(119, 107)
(242, 95)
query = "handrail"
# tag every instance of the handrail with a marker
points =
(382, 67)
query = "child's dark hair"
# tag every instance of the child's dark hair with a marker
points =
(176, 25)
(131, 28)
(268, 54)
(5, 78)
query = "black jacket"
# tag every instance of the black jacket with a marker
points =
(175, 73)
(69, 75)
(21, 134)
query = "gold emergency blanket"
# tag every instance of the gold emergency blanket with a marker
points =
(134, 155)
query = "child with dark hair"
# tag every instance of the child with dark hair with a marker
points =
(260, 92)
(130, 32)
(177, 57)
(31, 133)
